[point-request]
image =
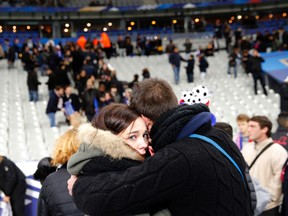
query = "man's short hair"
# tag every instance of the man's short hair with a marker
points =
(153, 97)
(283, 119)
(263, 122)
(242, 117)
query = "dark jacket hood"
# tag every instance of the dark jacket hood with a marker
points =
(178, 122)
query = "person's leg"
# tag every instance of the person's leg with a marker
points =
(192, 77)
(235, 71)
(203, 75)
(176, 74)
(34, 96)
(228, 72)
(30, 95)
(189, 76)
(262, 81)
(255, 77)
(51, 117)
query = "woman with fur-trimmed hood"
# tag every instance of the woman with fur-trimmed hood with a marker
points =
(116, 140)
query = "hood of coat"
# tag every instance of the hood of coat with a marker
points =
(177, 123)
(96, 142)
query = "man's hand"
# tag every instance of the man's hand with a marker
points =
(70, 183)
(6, 199)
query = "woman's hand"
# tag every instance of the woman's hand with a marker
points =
(70, 183)
(6, 199)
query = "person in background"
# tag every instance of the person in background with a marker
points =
(72, 98)
(135, 80)
(54, 198)
(13, 184)
(188, 47)
(55, 103)
(127, 96)
(145, 73)
(175, 60)
(203, 65)
(242, 137)
(225, 127)
(267, 167)
(44, 168)
(232, 63)
(281, 134)
(72, 105)
(51, 83)
(33, 83)
(256, 70)
(90, 100)
(170, 47)
(190, 69)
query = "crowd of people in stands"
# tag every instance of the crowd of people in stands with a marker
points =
(82, 65)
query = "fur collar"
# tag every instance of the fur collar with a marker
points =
(108, 143)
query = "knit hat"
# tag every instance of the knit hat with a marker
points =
(199, 94)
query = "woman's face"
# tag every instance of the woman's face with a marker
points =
(136, 136)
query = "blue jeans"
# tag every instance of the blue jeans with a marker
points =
(33, 95)
(51, 117)
(176, 70)
(235, 70)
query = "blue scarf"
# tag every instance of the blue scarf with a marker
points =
(196, 122)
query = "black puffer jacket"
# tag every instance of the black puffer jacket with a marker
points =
(54, 198)
(190, 175)
(12, 179)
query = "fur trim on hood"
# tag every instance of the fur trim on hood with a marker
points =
(96, 142)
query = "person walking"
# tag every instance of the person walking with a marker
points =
(256, 70)
(175, 60)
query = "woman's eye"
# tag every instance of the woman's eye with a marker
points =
(146, 136)
(132, 137)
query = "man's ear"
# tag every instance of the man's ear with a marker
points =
(147, 121)
(264, 130)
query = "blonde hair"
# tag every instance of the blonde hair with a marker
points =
(66, 145)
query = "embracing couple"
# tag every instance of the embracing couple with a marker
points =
(115, 172)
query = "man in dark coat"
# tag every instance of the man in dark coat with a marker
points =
(187, 175)
(256, 70)
(53, 104)
(175, 59)
(33, 83)
(13, 185)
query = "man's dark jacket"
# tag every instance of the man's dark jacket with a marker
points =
(12, 179)
(191, 176)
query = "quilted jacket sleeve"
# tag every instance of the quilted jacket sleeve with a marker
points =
(158, 179)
